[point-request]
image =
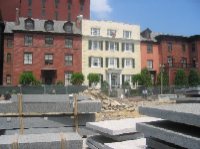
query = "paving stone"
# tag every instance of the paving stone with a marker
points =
(45, 122)
(159, 144)
(50, 103)
(182, 113)
(41, 141)
(131, 144)
(182, 135)
(118, 127)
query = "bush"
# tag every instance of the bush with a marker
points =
(77, 78)
(27, 78)
(181, 78)
(60, 83)
(105, 87)
(165, 79)
(93, 78)
(193, 78)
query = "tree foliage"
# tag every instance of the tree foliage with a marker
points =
(165, 78)
(27, 78)
(193, 78)
(77, 78)
(93, 78)
(181, 78)
(144, 78)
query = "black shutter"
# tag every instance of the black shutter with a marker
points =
(90, 61)
(122, 62)
(101, 62)
(122, 79)
(133, 47)
(90, 45)
(117, 62)
(106, 45)
(101, 78)
(133, 63)
(122, 47)
(101, 42)
(107, 62)
(117, 46)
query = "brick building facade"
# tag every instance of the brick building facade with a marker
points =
(51, 50)
(46, 9)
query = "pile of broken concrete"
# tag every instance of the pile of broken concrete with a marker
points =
(47, 121)
(179, 130)
(117, 134)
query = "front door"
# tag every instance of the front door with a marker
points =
(48, 77)
(114, 80)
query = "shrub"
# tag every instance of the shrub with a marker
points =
(60, 83)
(193, 78)
(77, 78)
(93, 78)
(181, 78)
(27, 78)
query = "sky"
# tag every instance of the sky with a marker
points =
(177, 17)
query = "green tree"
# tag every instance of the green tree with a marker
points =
(27, 78)
(77, 78)
(165, 79)
(193, 78)
(93, 78)
(144, 78)
(181, 78)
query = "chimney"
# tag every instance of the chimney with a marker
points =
(17, 17)
(79, 21)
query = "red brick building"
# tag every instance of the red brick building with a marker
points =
(45, 9)
(174, 52)
(51, 50)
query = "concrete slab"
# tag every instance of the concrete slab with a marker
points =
(91, 146)
(159, 144)
(131, 144)
(50, 103)
(182, 113)
(182, 135)
(49, 140)
(118, 127)
(45, 122)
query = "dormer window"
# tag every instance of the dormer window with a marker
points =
(29, 24)
(68, 27)
(48, 25)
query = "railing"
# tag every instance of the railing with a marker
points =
(43, 89)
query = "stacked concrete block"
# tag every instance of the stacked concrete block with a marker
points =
(180, 129)
(113, 131)
(42, 141)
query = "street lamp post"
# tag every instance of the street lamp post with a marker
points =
(161, 78)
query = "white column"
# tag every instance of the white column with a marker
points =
(110, 80)
(120, 78)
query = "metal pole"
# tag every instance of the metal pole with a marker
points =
(161, 90)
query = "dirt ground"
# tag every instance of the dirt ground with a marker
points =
(115, 108)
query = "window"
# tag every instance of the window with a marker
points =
(82, 5)
(193, 47)
(128, 63)
(68, 76)
(9, 43)
(8, 58)
(169, 44)
(56, 15)
(28, 58)
(149, 48)
(194, 62)
(96, 62)
(149, 64)
(29, 12)
(43, 3)
(183, 47)
(28, 40)
(127, 78)
(129, 47)
(112, 46)
(95, 31)
(56, 3)
(68, 27)
(8, 79)
(170, 61)
(69, 4)
(48, 25)
(68, 43)
(111, 33)
(127, 34)
(68, 60)
(29, 24)
(29, 3)
(43, 12)
(48, 59)
(112, 62)
(48, 40)
(184, 62)
(95, 45)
